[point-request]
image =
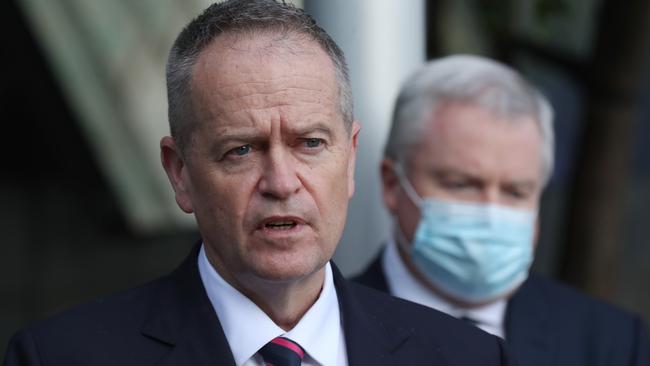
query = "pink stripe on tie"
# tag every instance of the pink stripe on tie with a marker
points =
(290, 345)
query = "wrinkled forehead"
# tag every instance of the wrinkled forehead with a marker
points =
(251, 52)
(251, 62)
(246, 79)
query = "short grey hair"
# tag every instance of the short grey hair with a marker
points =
(241, 17)
(467, 79)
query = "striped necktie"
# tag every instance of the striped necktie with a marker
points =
(282, 352)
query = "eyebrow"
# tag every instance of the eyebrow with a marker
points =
(446, 172)
(311, 128)
(241, 135)
(238, 135)
(254, 134)
(526, 185)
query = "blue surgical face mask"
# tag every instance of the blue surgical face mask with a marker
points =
(474, 252)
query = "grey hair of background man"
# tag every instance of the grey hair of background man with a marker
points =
(238, 17)
(467, 79)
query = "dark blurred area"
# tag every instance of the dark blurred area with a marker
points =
(66, 240)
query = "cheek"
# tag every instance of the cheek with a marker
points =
(218, 202)
(328, 187)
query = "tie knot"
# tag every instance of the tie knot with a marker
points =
(282, 351)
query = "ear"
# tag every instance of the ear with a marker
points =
(352, 157)
(175, 167)
(390, 185)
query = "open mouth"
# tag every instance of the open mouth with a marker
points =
(280, 225)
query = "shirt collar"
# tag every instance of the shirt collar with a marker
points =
(402, 283)
(248, 328)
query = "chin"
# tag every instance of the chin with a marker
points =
(287, 268)
(465, 303)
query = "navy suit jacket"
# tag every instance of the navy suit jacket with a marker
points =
(549, 324)
(172, 322)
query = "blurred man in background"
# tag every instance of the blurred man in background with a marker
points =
(469, 153)
(262, 153)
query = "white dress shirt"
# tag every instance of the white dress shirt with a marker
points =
(248, 328)
(403, 284)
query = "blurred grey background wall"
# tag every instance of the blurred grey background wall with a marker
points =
(85, 209)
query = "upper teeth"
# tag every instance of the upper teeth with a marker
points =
(281, 223)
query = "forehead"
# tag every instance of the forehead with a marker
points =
(471, 139)
(248, 72)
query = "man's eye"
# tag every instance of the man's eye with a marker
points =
(240, 150)
(313, 142)
(457, 184)
(517, 194)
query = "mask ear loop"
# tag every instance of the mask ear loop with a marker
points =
(407, 186)
(414, 197)
(400, 238)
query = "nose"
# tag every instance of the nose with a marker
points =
(279, 179)
(491, 194)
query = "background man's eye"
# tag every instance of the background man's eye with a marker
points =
(516, 194)
(241, 150)
(457, 185)
(313, 142)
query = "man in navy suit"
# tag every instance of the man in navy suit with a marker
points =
(469, 152)
(262, 153)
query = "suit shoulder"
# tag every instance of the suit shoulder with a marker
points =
(565, 299)
(431, 327)
(405, 311)
(373, 275)
(121, 307)
(84, 331)
(578, 315)
(579, 323)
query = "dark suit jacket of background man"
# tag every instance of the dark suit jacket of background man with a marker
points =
(172, 322)
(549, 324)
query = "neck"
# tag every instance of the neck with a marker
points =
(284, 301)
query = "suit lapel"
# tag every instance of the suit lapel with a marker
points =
(182, 316)
(528, 325)
(371, 336)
